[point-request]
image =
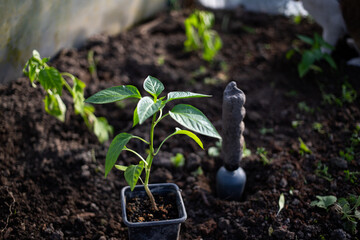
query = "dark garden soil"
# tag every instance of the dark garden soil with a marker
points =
(141, 210)
(52, 183)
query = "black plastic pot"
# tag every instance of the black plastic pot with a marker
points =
(165, 229)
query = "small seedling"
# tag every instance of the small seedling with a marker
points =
(53, 82)
(351, 176)
(348, 154)
(322, 171)
(324, 202)
(281, 203)
(303, 149)
(92, 64)
(318, 127)
(263, 155)
(312, 55)
(246, 151)
(178, 160)
(197, 172)
(296, 123)
(264, 131)
(160, 60)
(200, 36)
(153, 108)
(349, 94)
(305, 108)
(215, 151)
(348, 207)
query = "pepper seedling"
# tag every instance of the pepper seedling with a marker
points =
(200, 36)
(153, 108)
(53, 82)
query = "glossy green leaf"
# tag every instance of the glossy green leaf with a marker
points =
(102, 129)
(51, 79)
(192, 118)
(181, 95)
(114, 94)
(121, 168)
(55, 106)
(133, 173)
(191, 135)
(153, 86)
(116, 146)
(135, 117)
(146, 108)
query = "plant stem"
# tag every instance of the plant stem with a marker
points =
(148, 167)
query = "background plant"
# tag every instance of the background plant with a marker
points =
(200, 36)
(316, 53)
(347, 207)
(263, 155)
(53, 83)
(153, 108)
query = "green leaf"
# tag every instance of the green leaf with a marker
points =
(181, 95)
(114, 94)
(116, 146)
(79, 102)
(324, 201)
(191, 135)
(133, 173)
(135, 117)
(121, 168)
(153, 86)
(306, 39)
(303, 147)
(146, 108)
(192, 118)
(55, 106)
(102, 129)
(51, 79)
(178, 160)
(330, 60)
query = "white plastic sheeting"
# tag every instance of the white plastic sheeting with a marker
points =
(49, 26)
(285, 7)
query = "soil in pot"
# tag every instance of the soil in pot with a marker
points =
(140, 209)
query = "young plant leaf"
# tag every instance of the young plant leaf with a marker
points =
(181, 95)
(306, 39)
(51, 79)
(323, 201)
(135, 117)
(114, 94)
(281, 203)
(146, 108)
(192, 118)
(132, 174)
(102, 129)
(120, 167)
(116, 146)
(55, 106)
(303, 148)
(191, 135)
(153, 86)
